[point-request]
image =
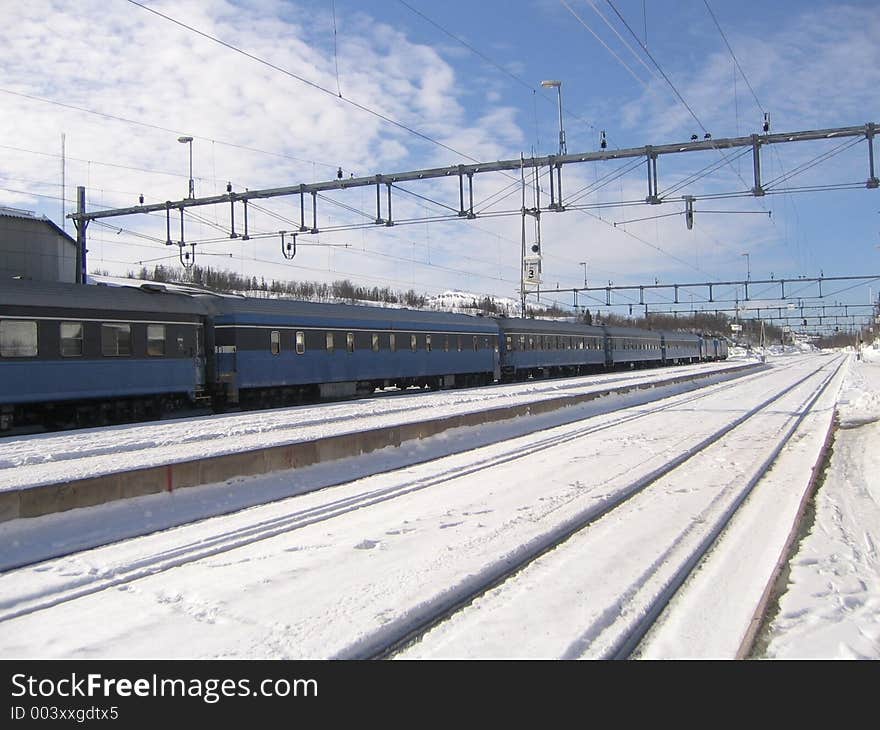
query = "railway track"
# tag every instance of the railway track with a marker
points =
(114, 440)
(151, 562)
(616, 631)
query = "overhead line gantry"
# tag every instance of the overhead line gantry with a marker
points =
(465, 174)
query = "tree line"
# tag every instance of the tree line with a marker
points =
(343, 290)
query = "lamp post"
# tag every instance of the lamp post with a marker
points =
(192, 189)
(558, 86)
(584, 264)
(748, 267)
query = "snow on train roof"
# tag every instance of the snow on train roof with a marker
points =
(26, 293)
(252, 309)
(548, 325)
(247, 309)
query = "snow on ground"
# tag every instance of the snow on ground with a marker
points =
(317, 575)
(58, 457)
(832, 606)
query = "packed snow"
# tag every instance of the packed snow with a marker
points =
(346, 569)
(831, 609)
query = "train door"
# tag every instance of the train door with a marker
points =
(199, 357)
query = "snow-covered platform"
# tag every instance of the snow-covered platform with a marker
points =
(52, 484)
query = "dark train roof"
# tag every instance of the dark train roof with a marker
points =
(519, 324)
(152, 298)
(631, 332)
(173, 299)
(253, 311)
(680, 335)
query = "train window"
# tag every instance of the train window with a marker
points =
(476, 343)
(71, 339)
(275, 342)
(115, 339)
(509, 342)
(522, 342)
(375, 342)
(156, 340)
(392, 342)
(459, 343)
(428, 343)
(497, 343)
(300, 343)
(18, 338)
(413, 343)
(445, 343)
(329, 341)
(349, 341)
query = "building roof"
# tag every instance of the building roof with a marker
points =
(29, 215)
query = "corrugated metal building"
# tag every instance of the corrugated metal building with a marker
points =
(33, 247)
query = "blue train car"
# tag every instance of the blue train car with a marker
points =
(542, 348)
(270, 351)
(628, 345)
(682, 347)
(72, 354)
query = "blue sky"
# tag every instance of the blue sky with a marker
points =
(145, 80)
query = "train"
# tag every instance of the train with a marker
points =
(75, 355)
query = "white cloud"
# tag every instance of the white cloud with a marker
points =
(121, 60)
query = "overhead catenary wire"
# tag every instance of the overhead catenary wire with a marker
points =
(175, 132)
(623, 40)
(335, 50)
(307, 82)
(733, 55)
(605, 45)
(492, 62)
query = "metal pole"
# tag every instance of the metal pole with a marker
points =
(81, 225)
(562, 149)
(522, 259)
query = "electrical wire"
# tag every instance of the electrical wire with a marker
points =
(604, 44)
(301, 79)
(161, 129)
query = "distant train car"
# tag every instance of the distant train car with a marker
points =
(715, 348)
(682, 347)
(269, 351)
(73, 355)
(632, 346)
(540, 348)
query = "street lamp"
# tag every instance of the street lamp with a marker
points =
(748, 267)
(584, 264)
(192, 189)
(558, 86)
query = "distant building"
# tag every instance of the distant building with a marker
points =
(33, 247)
